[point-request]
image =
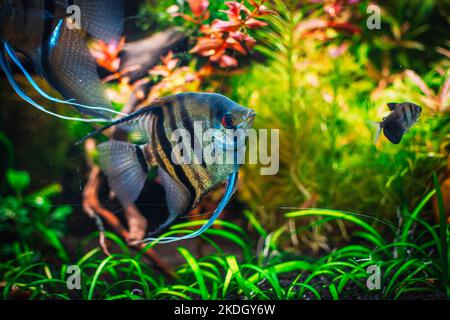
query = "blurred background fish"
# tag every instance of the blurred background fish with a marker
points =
(402, 117)
(126, 164)
(46, 34)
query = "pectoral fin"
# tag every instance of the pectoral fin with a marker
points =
(125, 167)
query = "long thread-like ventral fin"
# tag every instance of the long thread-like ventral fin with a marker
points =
(9, 75)
(11, 54)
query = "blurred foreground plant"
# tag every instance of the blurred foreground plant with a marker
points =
(31, 218)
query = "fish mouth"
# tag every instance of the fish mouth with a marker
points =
(249, 119)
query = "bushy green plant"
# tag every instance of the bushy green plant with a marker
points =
(31, 218)
(410, 34)
(320, 101)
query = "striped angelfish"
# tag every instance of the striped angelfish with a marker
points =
(402, 117)
(151, 143)
(43, 31)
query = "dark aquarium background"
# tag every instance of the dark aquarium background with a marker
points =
(343, 218)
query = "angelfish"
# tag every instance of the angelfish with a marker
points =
(42, 32)
(402, 117)
(126, 163)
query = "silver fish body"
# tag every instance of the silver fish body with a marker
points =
(126, 163)
(402, 117)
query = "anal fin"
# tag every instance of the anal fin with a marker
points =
(393, 132)
(177, 198)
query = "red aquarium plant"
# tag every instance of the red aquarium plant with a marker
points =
(221, 39)
(337, 16)
(107, 54)
(172, 79)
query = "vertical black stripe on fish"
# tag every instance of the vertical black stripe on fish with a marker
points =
(200, 173)
(404, 118)
(411, 116)
(187, 123)
(50, 7)
(141, 159)
(411, 110)
(167, 150)
(170, 112)
(193, 176)
(170, 109)
(24, 7)
(413, 113)
(154, 143)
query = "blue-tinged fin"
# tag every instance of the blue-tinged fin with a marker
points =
(12, 55)
(103, 19)
(54, 37)
(9, 75)
(70, 68)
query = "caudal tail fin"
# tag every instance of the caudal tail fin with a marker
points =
(377, 133)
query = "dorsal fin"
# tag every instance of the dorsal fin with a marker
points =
(130, 119)
(392, 105)
(103, 19)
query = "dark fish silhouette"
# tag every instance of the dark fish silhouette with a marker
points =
(126, 164)
(42, 31)
(402, 117)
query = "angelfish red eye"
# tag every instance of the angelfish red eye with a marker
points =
(228, 121)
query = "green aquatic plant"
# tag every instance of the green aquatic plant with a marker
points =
(31, 219)
(410, 259)
(318, 94)
(415, 259)
(313, 83)
(409, 35)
